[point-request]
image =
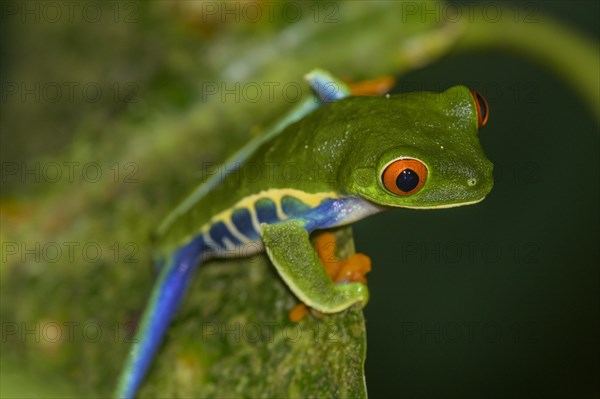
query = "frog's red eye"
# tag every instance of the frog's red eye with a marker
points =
(483, 110)
(404, 176)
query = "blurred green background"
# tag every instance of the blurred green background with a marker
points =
(499, 299)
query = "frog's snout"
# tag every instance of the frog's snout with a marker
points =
(481, 184)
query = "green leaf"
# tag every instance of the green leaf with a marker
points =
(232, 338)
(170, 61)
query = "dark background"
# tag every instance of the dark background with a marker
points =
(499, 299)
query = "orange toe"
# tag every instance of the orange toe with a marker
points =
(373, 87)
(325, 245)
(297, 313)
(353, 269)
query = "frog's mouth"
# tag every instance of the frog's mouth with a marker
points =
(444, 206)
(429, 200)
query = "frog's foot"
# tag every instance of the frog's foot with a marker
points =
(297, 313)
(373, 87)
(352, 269)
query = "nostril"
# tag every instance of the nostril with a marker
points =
(471, 182)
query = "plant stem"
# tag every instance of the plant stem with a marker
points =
(571, 55)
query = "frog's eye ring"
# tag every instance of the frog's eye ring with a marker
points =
(483, 109)
(404, 176)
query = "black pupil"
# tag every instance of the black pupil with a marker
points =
(407, 180)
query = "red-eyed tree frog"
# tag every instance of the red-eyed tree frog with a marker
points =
(331, 161)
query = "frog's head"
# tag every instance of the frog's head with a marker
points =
(421, 151)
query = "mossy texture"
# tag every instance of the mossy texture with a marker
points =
(76, 254)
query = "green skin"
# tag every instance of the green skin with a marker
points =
(440, 129)
(332, 159)
(343, 148)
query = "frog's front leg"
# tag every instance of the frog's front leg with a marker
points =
(288, 246)
(341, 271)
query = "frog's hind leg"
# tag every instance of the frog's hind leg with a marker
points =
(166, 297)
(329, 88)
(373, 87)
(326, 87)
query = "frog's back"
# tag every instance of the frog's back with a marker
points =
(283, 177)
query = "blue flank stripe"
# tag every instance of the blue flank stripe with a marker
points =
(326, 214)
(242, 220)
(292, 206)
(266, 211)
(219, 232)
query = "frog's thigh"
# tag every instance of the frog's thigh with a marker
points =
(288, 246)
